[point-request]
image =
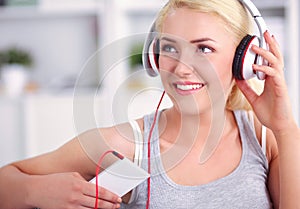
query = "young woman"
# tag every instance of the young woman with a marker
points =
(205, 151)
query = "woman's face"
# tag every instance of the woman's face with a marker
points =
(196, 54)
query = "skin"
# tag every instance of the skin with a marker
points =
(38, 181)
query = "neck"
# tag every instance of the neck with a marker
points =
(207, 119)
(200, 132)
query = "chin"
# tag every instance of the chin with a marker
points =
(192, 105)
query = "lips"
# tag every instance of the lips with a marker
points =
(185, 88)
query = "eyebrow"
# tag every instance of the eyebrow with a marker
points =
(193, 41)
(168, 39)
(202, 40)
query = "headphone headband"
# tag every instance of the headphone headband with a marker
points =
(251, 8)
(261, 24)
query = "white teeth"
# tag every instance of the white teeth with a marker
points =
(189, 87)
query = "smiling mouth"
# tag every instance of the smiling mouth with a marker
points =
(189, 87)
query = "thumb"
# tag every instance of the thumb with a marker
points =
(248, 92)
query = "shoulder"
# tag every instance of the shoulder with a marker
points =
(120, 138)
(271, 144)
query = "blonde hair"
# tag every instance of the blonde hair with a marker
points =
(237, 22)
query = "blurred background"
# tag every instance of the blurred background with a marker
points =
(67, 66)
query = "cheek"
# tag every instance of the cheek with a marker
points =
(223, 67)
(166, 64)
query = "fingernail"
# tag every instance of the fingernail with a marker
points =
(119, 200)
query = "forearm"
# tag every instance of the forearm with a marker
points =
(14, 188)
(289, 166)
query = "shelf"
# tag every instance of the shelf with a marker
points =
(269, 4)
(271, 7)
(141, 7)
(29, 12)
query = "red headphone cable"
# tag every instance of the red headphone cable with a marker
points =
(98, 171)
(149, 150)
(121, 157)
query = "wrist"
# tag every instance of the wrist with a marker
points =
(32, 189)
(290, 129)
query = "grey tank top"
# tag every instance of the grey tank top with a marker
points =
(244, 188)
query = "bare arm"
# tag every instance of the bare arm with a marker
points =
(284, 179)
(289, 167)
(273, 109)
(59, 178)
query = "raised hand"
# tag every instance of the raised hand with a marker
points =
(272, 107)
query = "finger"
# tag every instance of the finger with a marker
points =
(109, 196)
(89, 202)
(107, 205)
(249, 93)
(267, 55)
(103, 193)
(277, 78)
(274, 62)
(273, 45)
(265, 69)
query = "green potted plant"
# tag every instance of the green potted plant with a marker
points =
(14, 66)
(14, 55)
(135, 59)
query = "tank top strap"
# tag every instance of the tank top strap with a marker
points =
(248, 136)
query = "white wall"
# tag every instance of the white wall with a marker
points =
(60, 43)
(11, 131)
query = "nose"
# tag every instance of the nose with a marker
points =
(184, 66)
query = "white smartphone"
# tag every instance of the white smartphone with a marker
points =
(121, 177)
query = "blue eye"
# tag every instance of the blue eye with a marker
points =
(168, 48)
(205, 49)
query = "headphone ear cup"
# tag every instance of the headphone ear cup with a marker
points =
(244, 58)
(150, 58)
(151, 52)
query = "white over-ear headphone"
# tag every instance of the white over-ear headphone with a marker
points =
(243, 59)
